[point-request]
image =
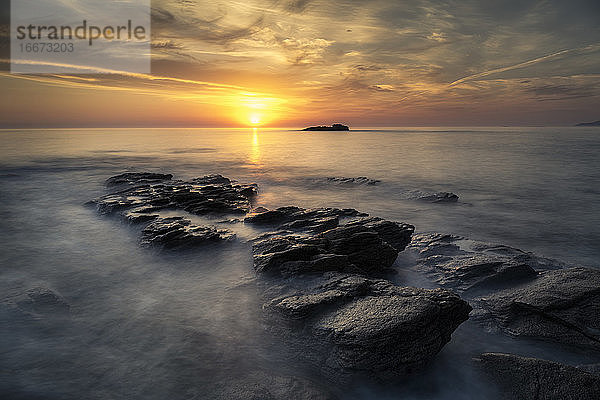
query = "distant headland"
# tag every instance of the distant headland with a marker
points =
(334, 127)
(595, 123)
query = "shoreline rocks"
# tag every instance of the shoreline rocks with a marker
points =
(359, 180)
(322, 273)
(363, 244)
(475, 267)
(530, 378)
(179, 233)
(145, 193)
(440, 197)
(560, 305)
(352, 323)
(321, 270)
(139, 198)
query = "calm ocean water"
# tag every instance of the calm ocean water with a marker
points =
(149, 325)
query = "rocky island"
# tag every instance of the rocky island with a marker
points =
(595, 123)
(334, 127)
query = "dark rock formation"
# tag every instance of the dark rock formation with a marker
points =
(178, 232)
(296, 218)
(321, 272)
(357, 325)
(365, 326)
(137, 178)
(146, 193)
(595, 123)
(561, 305)
(42, 300)
(362, 244)
(334, 127)
(530, 378)
(140, 197)
(440, 197)
(360, 180)
(465, 265)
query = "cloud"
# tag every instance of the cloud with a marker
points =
(305, 51)
(438, 37)
(297, 6)
(383, 88)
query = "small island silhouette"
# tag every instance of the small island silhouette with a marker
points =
(334, 127)
(595, 123)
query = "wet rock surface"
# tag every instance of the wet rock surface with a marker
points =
(359, 180)
(474, 267)
(41, 300)
(530, 378)
(32, 305)
(364, 326)
(319, 268)
(560, 305)
(295, 218)
(139, 198)
(178, 233)
(364, 244)
(137, 178)
(324, 275)
(356, 324)
(440, 197)
(146, 193)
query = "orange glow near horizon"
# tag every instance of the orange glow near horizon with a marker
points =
(254, 110)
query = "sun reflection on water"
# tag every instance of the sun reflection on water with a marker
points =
(254, 153)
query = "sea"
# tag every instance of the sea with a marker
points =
(146, 324)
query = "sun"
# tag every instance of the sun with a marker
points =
(254, 119)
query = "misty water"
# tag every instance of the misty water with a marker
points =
(145, 324)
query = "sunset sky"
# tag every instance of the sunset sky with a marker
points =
(364, 63)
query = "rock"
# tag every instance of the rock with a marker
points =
(139, 215)
(361, 180)
(363, 326)
(530, 378)
(334, 127)
(560, 305)
(464, 265)
(137, 178)
(356, 324)
(441, 197)
(149, 193)
(140, 197)
(363, 245)
(178, 232)
(595, 123)
(42, 300)
(347, 320)
(296, 218)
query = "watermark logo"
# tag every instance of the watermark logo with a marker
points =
(80, 36)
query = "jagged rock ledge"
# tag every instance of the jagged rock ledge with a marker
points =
(351, 322)
(340, 180)
(321, 271)
(513, 291)
(531, 378)
(140, 197)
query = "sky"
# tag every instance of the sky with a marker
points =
(294, 63)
